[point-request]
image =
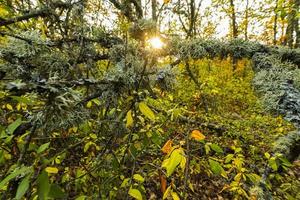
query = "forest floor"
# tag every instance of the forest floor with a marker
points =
(239, 135)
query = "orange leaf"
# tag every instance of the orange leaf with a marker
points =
(167, 147)
(197, 135)
(163, 184)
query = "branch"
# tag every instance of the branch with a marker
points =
(43, 12)
(38, 13)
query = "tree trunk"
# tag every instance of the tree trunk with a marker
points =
(233, 20)
(275, 23)
(153, 6)
(234, 31)
(246, 20)
(297, 5)
(291, 18)
(192, 19)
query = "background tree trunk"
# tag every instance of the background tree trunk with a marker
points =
(275, 23)
(246, 20)
(233, 20)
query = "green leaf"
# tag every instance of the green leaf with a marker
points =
(23, 187)
(81, 197)
(43, 185)
(215, 167)
(173, 161)
(216, 148)
(273, 163)
(285, 162)
(43, 147)
(23, 170)
(146, 111)
(56, 192)
(13, 126)
(22, 99)
(229, 158)
(267, 155)
(254, 178)
(135, 194)
(125, 182)
(129, 119)
(139, 178)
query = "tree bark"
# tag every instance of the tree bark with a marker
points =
(233, 20)
(297, 5)
(275, 23)
(246, 20)
(291, 19)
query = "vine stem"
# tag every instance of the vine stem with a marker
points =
(187, 166)
(27, 142)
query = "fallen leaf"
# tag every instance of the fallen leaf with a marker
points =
(197, 135)
(167, 147)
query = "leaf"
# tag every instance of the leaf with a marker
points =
(23, 187)
(163, 183)
(173, 161)
(167, 147)
(146, 111)
(267, 155)
(254, 178)
(125, 182)
(23, 170)
(51, 170)
(89, 104)
(135, 194)
(138, 177)
(43, 185)
(13, 126)
(285, 162)
(56, 192)
(273, 164)
(175, 196)
(82, 197)
(43, 147)
(9, 107)
(129, 119)
(87, 146)
(197, 135)
(183, 163)
(229, 158)
(215, 167)
(166, 194)
(216, 148)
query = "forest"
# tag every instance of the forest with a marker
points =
(150, 99)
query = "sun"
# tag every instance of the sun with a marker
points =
(156, 43)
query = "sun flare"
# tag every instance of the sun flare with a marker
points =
(156, 43)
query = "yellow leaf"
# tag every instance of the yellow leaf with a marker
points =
(9, 107)
(173, 161)
(166, 194)
(175, 196)
(167, 1)
(197, 135)
(89, 104)
(129, 119)
(18, 106)
(146, 111)
(51, 170)
(167, 147)
(183, 163)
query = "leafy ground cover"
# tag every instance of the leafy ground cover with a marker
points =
(209, 137)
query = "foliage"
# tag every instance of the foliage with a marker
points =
(88, 113)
